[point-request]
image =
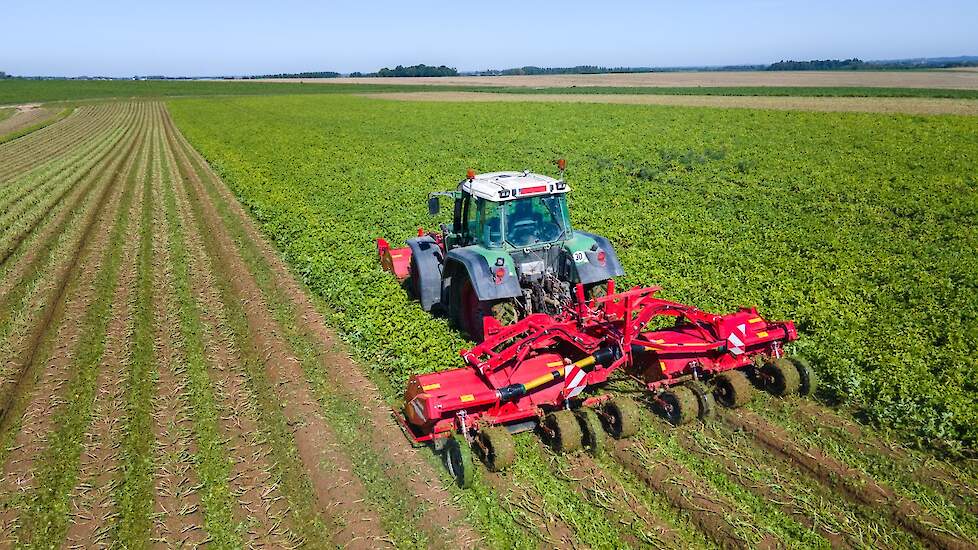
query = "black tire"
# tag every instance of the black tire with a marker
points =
(594, 437)
(413, 282)
(808, 381)
(457, 456)
(497, 447)
(470, 322)
(732, 388)
(564, 431)
(704, 399)
(782, 377)
(621, 417)
(681, 406)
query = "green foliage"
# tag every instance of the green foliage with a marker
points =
(860, 227)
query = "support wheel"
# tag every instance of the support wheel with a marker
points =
(591, 429)
(732, 388)
(457, 456)
(681, 406)
(498, 448)
(564, 431)
(808, 382)
(621, 417)
(704, 399)
(782, 377)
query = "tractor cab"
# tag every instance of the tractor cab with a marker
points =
(508, 211)
(509, 252)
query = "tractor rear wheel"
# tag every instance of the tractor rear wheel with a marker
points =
(413, 282)
(467, 311)
(621, 417)
(564, 431)
(806, 375)
(782, 377)
(498, 448)
(591, 429)
(458, 461)
(732, 388)
(681, 406)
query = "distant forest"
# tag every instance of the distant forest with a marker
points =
(413, 70)
(856, 64)
(316, 74)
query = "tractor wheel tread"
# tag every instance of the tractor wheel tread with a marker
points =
(565, 431)
(733, 389)
(498, 448)
(683, 407)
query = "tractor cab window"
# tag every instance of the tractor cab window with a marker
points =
(480, 220)
(533, 220)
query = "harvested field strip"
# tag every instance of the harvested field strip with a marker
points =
(940, 490)
(316, 351)
(269, 364)
(135, 490)
(17, 128)
(850, 482)
(191, 281)
(45, 512)
(13, 373)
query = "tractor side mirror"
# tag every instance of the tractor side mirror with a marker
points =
(433, 206)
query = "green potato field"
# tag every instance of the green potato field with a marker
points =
(860, 227)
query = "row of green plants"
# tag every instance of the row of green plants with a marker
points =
(860, 227)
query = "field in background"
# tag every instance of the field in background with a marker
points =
(906, 105)
(14, 91)
(965, 80)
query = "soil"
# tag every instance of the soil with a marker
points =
(905, 105)
(965, 80)
(26, 115)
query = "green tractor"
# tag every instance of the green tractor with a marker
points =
(510, 252)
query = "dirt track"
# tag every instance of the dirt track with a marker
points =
(965, 80)
(26, 115)
(917, 106)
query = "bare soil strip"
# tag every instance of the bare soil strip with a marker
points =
(26, 115)
(849, 79)
(892, 105)
(442, 516)
(850, 482)
(340, 493)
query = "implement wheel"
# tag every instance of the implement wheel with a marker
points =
(564, 431)
(806, 376)
(704, 399)
(782, 377)
(681, 406)
(497, 448)
(457, 456)
(621, 417)
(591, 429)
(732, 388)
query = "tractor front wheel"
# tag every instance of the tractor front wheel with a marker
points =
(564, 431)
(498, 448)
(468, 311)
(458, 461)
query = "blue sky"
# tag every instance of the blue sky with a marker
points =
(178, 37)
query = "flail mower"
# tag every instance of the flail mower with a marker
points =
(539, 299)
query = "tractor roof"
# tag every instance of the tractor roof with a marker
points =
(505, 186)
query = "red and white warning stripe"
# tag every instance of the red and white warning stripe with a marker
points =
(736, 345)
(574, 381)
